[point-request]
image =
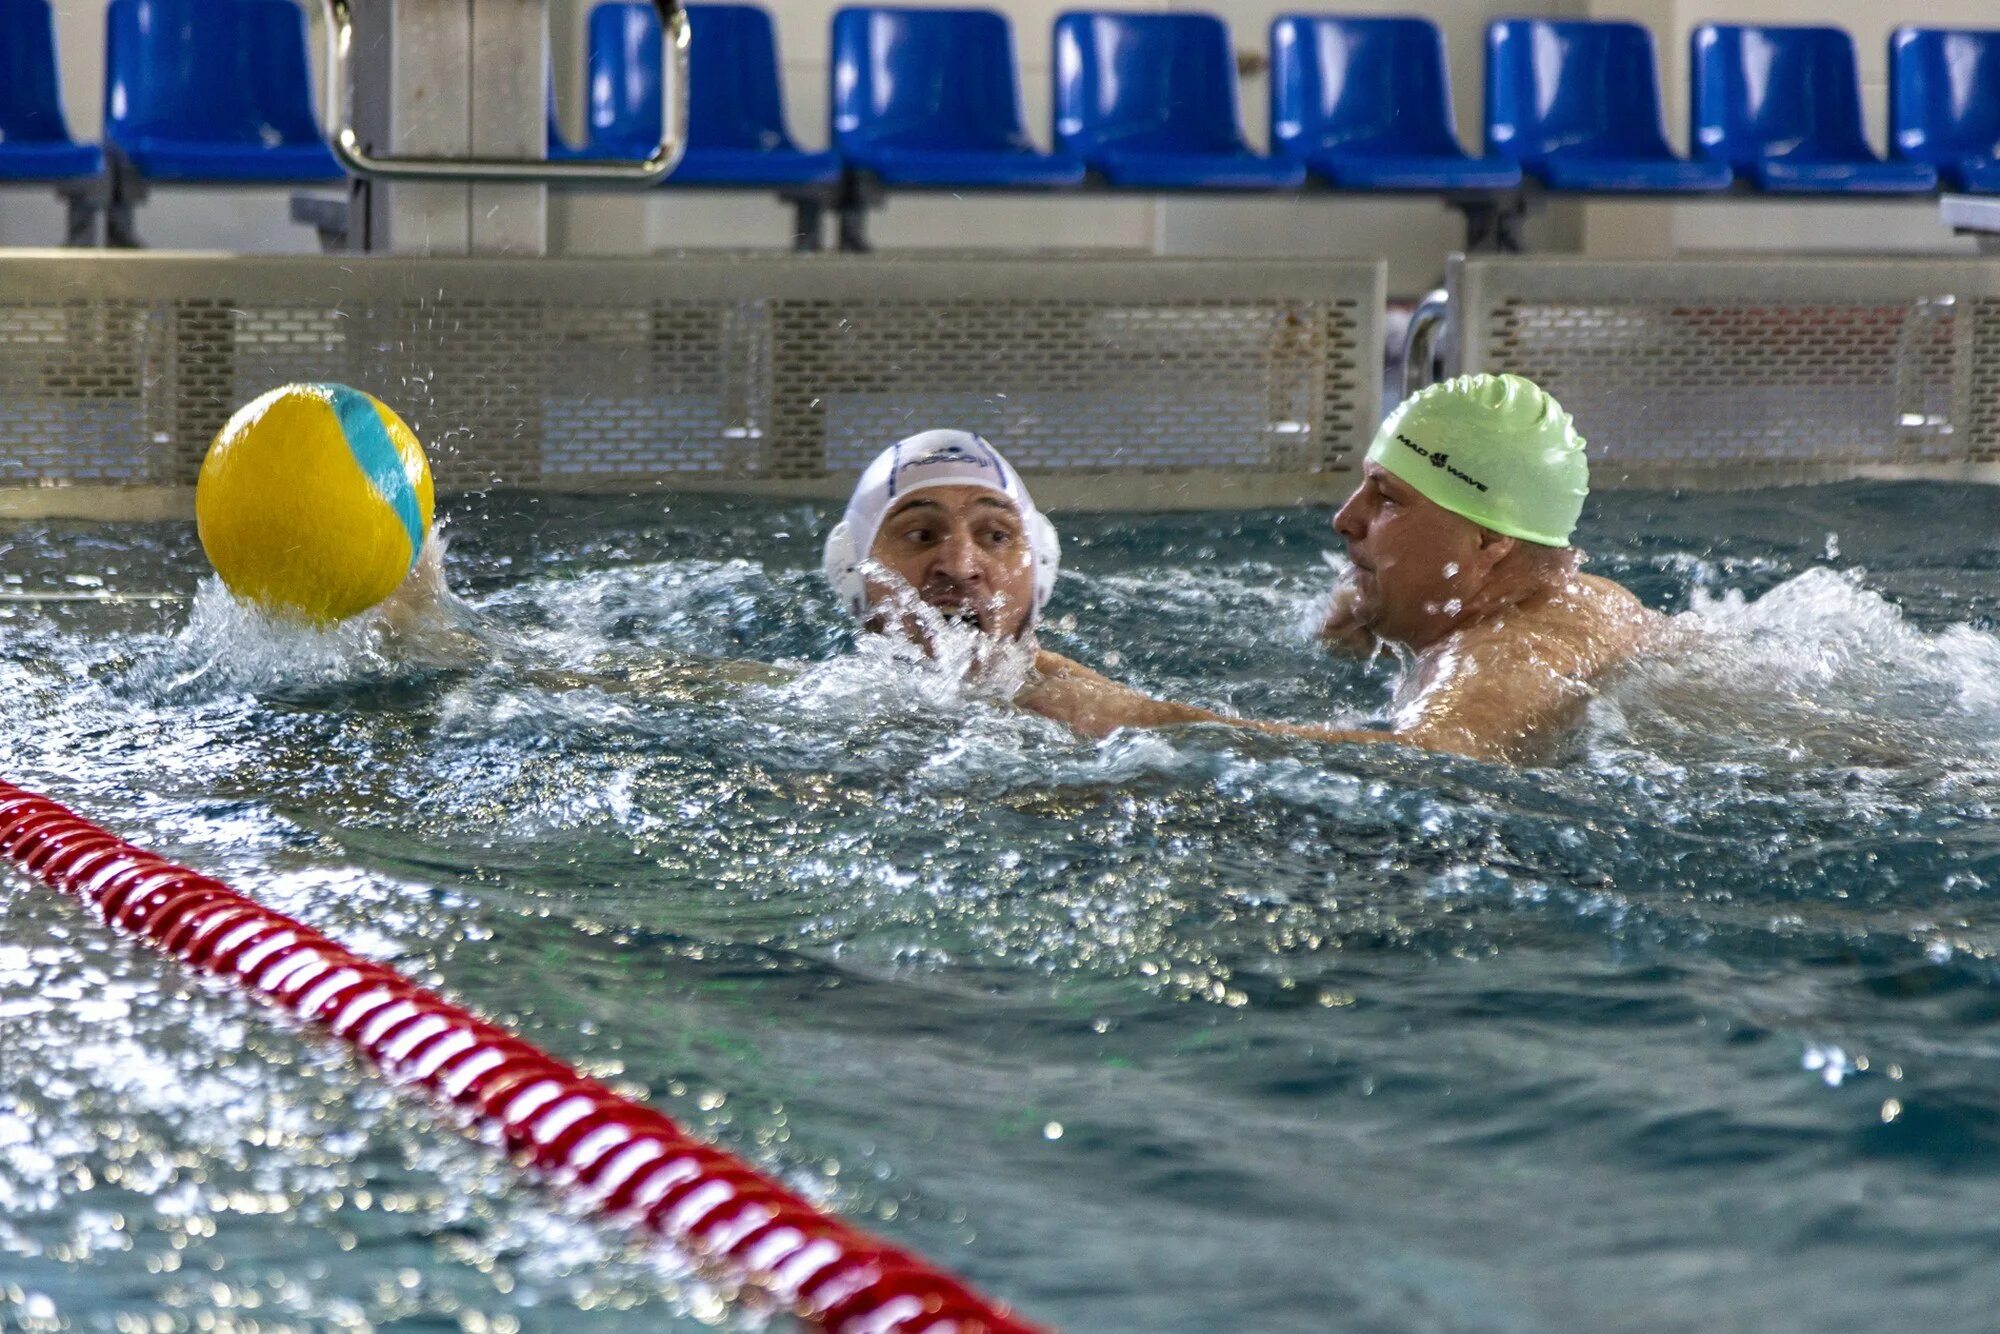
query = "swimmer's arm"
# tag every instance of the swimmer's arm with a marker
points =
(1482, 705)
(718, 671)
(684, 678)
(1095, 705)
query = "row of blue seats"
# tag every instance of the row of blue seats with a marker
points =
(219, 91)
(929, 98)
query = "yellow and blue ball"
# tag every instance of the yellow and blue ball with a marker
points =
(313, 502)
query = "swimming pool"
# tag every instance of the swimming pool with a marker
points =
(1179, 1032)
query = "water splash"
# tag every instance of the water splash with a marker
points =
(1820, 671)
(880, 931)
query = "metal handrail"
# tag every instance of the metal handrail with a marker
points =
(650, 170)
(1430, 318)
(1914, 417)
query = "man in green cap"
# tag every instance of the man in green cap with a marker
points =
(1459, 543)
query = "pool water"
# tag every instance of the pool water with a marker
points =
(1691, 1029)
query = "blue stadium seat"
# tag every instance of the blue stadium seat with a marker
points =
(1366, 104)
(1577, 104)
(736, 113)
(1944, 104)
(1149, 101)
(34, 139)
(213, 91)
(929, 97)
(1782, 106)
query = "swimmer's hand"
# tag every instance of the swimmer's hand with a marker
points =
(416, 601)
(423, 623)
(1341, 628)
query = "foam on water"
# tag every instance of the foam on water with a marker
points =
(1820, 671)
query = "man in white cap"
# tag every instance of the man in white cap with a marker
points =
(940, 529)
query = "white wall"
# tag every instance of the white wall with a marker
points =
(1413, 235)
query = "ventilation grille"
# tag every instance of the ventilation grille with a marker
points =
(1795, 370)
(586, 375)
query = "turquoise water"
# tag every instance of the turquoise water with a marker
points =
(1178, 1032)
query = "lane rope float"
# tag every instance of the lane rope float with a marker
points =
(623, 1159)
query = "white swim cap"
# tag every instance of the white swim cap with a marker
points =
(932, 458)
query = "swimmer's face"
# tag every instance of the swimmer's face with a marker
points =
(1416, 564)
(965, 551)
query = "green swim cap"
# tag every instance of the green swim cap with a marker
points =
(1495, 449)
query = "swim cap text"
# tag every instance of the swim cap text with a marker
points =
(1438, 459)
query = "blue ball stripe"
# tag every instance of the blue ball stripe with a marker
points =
(376, 453)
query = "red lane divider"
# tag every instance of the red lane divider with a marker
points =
(622, 1158)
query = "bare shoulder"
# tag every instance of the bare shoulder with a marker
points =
(1595, 623)
(1498, 689)
(1609, 594)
